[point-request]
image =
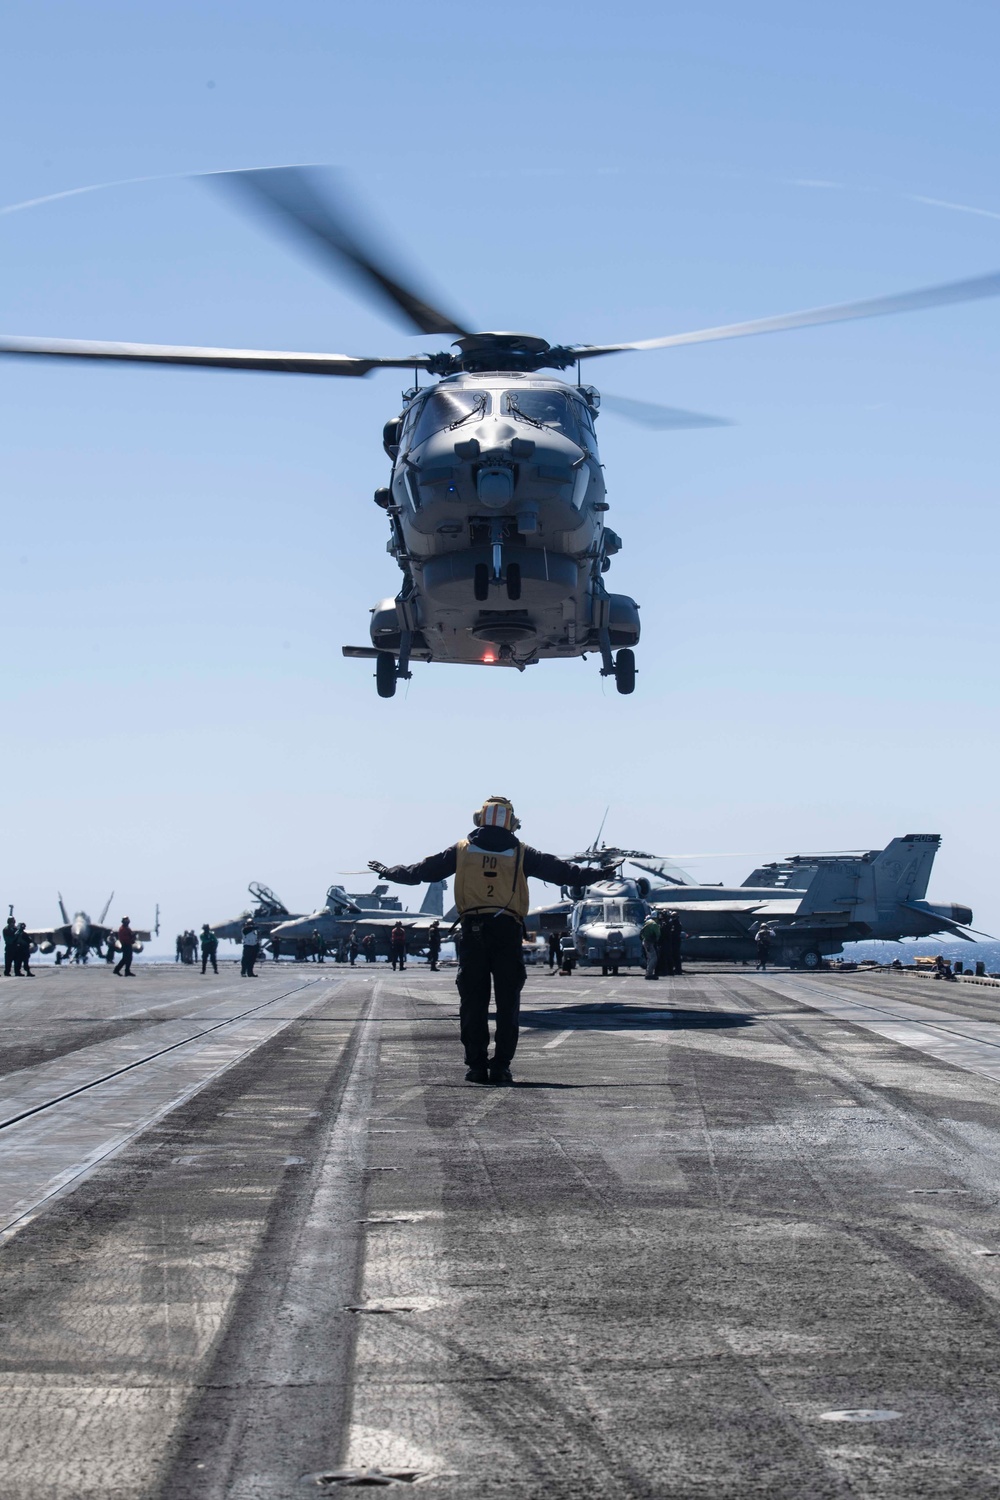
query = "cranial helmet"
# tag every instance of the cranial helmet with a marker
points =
(496, 812)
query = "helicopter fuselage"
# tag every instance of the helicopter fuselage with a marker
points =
(496, 506)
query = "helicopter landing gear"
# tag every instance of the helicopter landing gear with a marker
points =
(385, 674)
(620, 667)
(625, 670)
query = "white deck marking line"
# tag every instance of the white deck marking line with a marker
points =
(971, 1045)
(556, 1040)
(217, 1055)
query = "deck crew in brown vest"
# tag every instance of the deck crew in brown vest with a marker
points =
(491, 869)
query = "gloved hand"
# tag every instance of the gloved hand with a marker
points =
(609, 872)
(379, 869)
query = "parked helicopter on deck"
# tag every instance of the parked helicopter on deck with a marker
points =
(496, 500)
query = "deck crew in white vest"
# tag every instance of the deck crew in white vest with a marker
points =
(491, 869)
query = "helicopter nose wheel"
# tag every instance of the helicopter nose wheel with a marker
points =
(625, 670)
(385, 674)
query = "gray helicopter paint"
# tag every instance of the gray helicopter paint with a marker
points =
(518, 500)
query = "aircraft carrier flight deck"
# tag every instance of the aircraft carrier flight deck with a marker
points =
(729, 1234)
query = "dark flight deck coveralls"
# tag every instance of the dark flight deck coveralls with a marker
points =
(492, 913)
(126, 942)
(209, 948)
(9, 945)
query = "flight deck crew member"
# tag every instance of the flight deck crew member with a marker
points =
(434, 945)
(397, 945)
(9, 944)
(368, 946)
(126, 942)
(664, 966)
(674, 934)
(353, 947)
(209, 948)
(553, 951)
(491, 868)
(22, 952)
(762, 942)
(650, 937)
(250, 938)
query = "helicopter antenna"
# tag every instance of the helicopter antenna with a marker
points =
(601, 829)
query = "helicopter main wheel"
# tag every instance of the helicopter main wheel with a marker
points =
(625, 670)
(811, 959)
(513, 580)
(385, 674)
(481, 582)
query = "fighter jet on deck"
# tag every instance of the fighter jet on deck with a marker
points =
(80, 937)
(814, 904)
(372, 911)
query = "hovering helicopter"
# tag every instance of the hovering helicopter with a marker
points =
(496, 500)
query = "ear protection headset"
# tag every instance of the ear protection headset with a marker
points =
(496, 812)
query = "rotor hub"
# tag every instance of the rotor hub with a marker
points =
(517, 352)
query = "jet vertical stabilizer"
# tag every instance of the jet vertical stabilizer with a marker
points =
(903, 869)
(433, 903)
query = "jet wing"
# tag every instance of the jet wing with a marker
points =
(775, 909)
(56, 935)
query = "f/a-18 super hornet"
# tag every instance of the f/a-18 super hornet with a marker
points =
(267, 911)
(81, 937)
(496, 499)
(813, 904)
(374, 912)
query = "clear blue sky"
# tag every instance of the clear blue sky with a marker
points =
(185, 552)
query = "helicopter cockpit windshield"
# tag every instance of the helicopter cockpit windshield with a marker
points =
(442, 410)
(548, 409)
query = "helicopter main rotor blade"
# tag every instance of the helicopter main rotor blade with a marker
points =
(970, 290)
(270, 360)
(293, 198)
(648, 414)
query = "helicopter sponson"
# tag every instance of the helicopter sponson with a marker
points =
(496, 507)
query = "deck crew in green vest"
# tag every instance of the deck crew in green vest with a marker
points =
(491, 869)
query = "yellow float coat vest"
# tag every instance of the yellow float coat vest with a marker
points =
(490, 880)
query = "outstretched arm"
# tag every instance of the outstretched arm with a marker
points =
(560, 871)
(434, 867)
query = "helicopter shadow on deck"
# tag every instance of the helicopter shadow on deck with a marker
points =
(619, 1016)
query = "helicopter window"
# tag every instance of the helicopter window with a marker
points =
(587, 429)
(612, 911)
(550, 409)
(442, 410)
(634, 912)
(591, 911)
